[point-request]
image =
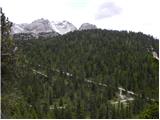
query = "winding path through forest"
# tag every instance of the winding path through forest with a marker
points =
(123, 98)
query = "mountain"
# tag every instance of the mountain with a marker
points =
(87, 74)
(83, 74)
(63, 27)
(43, 26)
(18, 28)
(38, 26)
(87, 26)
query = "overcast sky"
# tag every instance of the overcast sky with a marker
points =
(134, 15)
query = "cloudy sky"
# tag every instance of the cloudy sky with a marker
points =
(134, 15)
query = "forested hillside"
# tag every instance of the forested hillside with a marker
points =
(83, 74)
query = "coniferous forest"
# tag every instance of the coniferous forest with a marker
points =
(82, 74)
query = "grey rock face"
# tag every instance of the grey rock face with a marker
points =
(44, 28)
(38, 26)
(44, 25)
(87, 26)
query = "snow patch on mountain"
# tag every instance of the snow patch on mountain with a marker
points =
(44, 25)
(63, 27)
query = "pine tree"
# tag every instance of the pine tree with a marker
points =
(7, 50)
(7, 65)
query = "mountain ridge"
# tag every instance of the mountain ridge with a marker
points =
(44, 26)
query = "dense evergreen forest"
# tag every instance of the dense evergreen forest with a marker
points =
(82, 74)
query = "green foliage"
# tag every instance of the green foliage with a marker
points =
(151, 111)
(62, 77)
(7, 45)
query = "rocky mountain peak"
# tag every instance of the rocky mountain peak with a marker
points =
(45, 26)
(87, 26)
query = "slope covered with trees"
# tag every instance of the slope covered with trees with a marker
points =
(77, 75)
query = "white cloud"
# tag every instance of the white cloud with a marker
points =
(106, 10)
(135, 15)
